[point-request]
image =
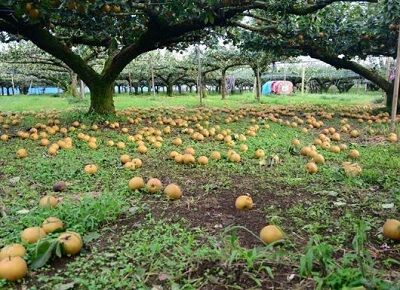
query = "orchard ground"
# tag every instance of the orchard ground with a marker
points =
(123, 101)
(136, 240)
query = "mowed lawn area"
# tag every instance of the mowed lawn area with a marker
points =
(288, 194)
(46, 102)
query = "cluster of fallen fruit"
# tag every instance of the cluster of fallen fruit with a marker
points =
(12, 264)
(14, 267)
(153, 136)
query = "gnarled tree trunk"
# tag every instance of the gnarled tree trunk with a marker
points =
(257, 83)
(73, 87)
(170, 90)
(24, 89)
(101, 98)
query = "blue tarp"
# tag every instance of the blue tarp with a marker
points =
(267, 88)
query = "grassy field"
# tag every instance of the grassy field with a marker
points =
(36, 103)
(133, 239)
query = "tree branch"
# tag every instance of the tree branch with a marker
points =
(341, 63)
(305, 9)
(88, 40)
(49, 43)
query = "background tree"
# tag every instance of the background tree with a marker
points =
(171, 69)
(223, 58)
(27, 60)
(338, 35)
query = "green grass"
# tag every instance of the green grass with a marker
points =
(45, 102)
(134, 239)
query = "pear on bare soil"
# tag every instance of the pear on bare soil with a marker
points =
(173, 191)
(271, 234)
(244, 202)
(391, 229)
(136, 183)
(153, 185)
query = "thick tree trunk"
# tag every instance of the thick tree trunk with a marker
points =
(325, 86)
(24, 90)
(180, 89)
(101, 99)
(170, 90)
(74, 85)
(344, 86)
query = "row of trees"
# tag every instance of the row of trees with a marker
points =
(25, 65)
(75, 33)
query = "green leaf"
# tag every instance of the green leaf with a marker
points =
(43, 253)
(58, 250)
(211, 18)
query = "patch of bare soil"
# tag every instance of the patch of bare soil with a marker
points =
(215, 211)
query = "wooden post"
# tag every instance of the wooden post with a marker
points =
(258, 84)
(129, 84)
(82, 89)
(396, 87)
(153, 89)
(303, 75)
(12, 82)
(199, 77)
(30, 86)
